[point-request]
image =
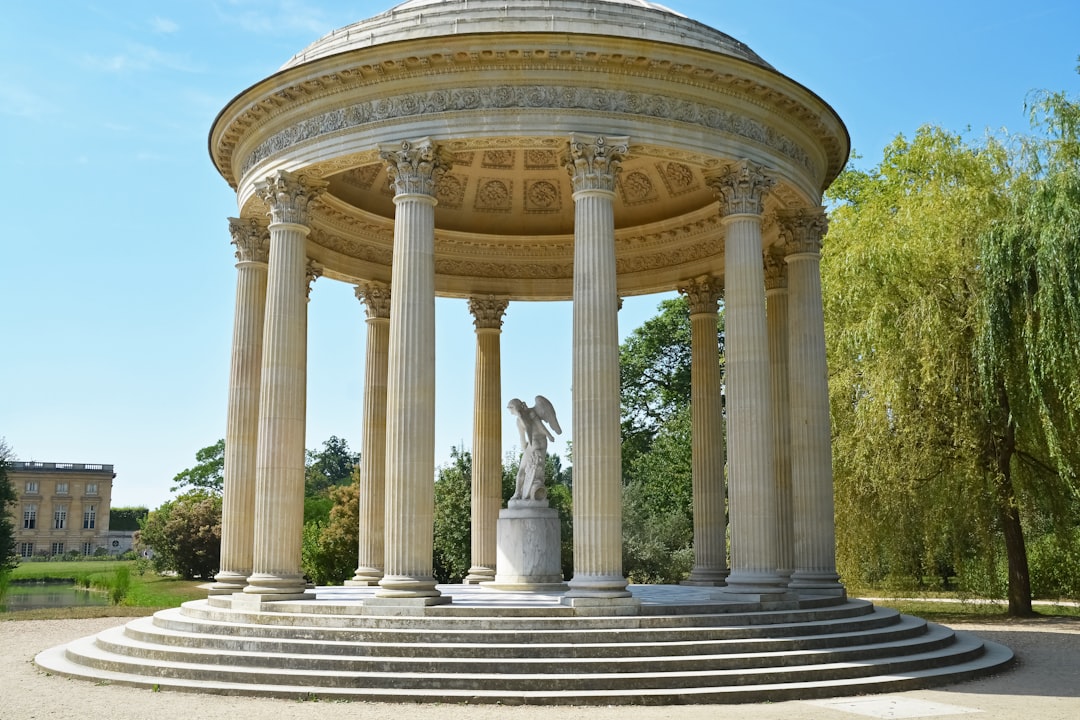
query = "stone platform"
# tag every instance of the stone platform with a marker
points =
(684, 645)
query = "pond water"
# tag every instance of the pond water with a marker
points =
(34, 596)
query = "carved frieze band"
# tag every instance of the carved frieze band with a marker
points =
(288, 196)
(593, 161)
(252, 240)
(414, 166)
(703, 294)
(488, 311)
(802, 229)
(530, 99)
(741, 187)
(376, 299)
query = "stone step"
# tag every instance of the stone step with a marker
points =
(883, 627)
(91, 659)
(510, 631)
(117, 642)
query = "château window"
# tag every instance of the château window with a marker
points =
(26, 549)
(91, 488)
(31, 487)
(58, 548)
(61, 488)
(89, 517)
(29, 517)
(60, 519)
(87, 548)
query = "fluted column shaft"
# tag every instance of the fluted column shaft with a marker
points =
(707, 435)
(410, 385)
(279, 471)
(487, 437)
(242, 416)
(371, 551)
(597, 493)
(751, 472)
(811, 451)
(776, 308)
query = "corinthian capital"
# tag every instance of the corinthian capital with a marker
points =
(414, 166)
(593, 161)
(803, 229)
(741, 187)
(252, 240)
(312, 271)
(703, 294)
(775, 269)
(488, 311)
(376, 299)
(288, 196)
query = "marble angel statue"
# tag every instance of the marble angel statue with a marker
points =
(534, 439)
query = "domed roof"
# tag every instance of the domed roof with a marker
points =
(434, 18)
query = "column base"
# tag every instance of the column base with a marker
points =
(597, 586)
(256, 602)
(817, 583)
(756, 587)
(404, 587)
(706, 577)
(365, 577)
(479, 574)
(227, 583)
(267, 584)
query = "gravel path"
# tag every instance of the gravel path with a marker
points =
(1044, 685)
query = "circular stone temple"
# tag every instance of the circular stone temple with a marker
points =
(503, 151)
(520, 151)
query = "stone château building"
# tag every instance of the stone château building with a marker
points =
(62, 507)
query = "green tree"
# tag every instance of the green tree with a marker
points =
(207, 474)
(8, 497)
(329, 552)
(333, 465)
(453, 519)
(185, 535)
(950, 273)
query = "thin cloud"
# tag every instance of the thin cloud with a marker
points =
(139, 58)
(163, 25)
(263, 17)
(18, 101)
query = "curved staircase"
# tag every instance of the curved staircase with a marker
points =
(683, 646)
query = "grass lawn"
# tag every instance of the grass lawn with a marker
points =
(145, 592)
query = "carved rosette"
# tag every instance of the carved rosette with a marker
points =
(775, 269)
(703, 294)
(313, 271)
(376, 299)
(741, 187)
(288, 196)
(802, 230)
(252, 240)
(488, 311)
(414, 167)
(593, 162)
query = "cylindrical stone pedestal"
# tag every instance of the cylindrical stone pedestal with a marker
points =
(527, 554)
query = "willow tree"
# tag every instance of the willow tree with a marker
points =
(953, 314)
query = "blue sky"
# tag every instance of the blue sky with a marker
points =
(116, 273)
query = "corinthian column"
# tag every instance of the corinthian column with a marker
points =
(751, 477)
(776, 305)
(487, 437)
(593, 163)
(279, 468)
(707, 439)
(414, 168)
(252, 242)
(811, 452)
(369, 567)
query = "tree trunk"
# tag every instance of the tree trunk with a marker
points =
(1019, 588)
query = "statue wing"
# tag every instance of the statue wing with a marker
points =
(546, 412)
